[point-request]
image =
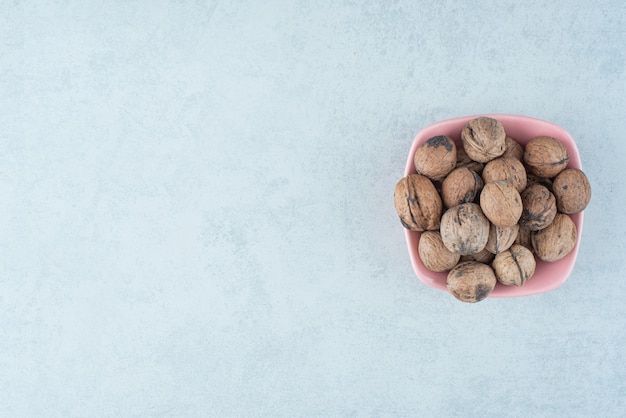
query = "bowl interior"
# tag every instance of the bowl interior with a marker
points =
(548, 276)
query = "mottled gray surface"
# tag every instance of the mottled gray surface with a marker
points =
(197, 214)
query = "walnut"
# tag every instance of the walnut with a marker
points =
(539, 207)
(545, 156)
(501, 203)
(512, 149)
(471, 281)
(524, 237)
(464, 229)
(508, 169)
(532, 179)
(483, 256)
(500, 239)
(417, 202)
(483, 139)
(557, 240)
(435, 256)
(514, 266)
(462, 185)
(572, 191)
(463, 160)
(436, 157)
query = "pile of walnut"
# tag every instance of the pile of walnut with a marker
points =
(487, 207)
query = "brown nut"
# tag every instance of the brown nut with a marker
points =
(539, 207)
(557, 240)
(532, 179)
(572, 191)
(483, 256)
(417, 203)
(435, 158)
(464, 229)
(514, 266)
(483, 139)
(524, 237)
(545, 156)
(464, 160)
(512, 149)
(462, 185)
(435, 256)
(501, 203)
(507, 169)
(471, 281)
(500, 239)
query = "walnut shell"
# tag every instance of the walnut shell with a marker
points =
(483, 139)
(417, 202)
(514, 266)
(512, 149)
(464, 160)
(501, 203)
(532, 179)
(545, 156)
(483, 256)
(471, 281)
(539, 207)
(524, 237)
(462, 185)
(435, 256)
(464, 229)
(572, 191)
(507, 169)
(500, 239)
(557, 240)
(435, 158)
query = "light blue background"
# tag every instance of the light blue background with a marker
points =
(197, 214)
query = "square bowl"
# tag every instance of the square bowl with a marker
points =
(548, 276)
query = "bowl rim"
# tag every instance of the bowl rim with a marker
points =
(558, 271)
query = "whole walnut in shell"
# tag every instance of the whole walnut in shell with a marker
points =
(464, 160)
(539, 207)
(417, 202)
(572, 191)
(435, 158)
(462, 185)
(483, 256)
(532, 179)
(545, 156)
(514, 266)
(512, 149)
(471, 281)
(557, 240)
(435, 256)
(501, 203)
(500, 239)
(507, 169)
(483, 139)
(464, 229)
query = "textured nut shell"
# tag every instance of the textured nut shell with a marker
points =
(500, 239)
(464, 229)
(501, 203)
(483, 139)
(507, 169)
(524, 237)
(512, 149)
(417, 203)
(435, 256)
(533, 179)
(464, 160)
(545, 156)
(557, 240)
(514, 266)
(483, 256)
(539, 207)
(435, 158)
(462, 185)
(471, 281)
(572, 191)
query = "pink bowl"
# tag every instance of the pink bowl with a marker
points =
(548, 276)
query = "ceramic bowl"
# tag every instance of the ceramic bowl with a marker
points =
(548, 276)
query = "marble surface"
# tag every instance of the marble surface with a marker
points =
(197, 215)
